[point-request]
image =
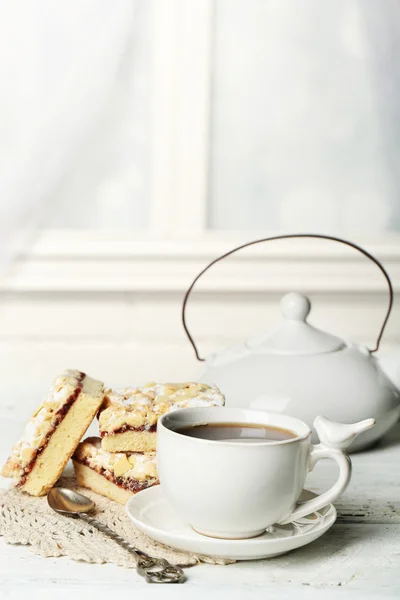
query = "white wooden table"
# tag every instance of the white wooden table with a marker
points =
(358, 558)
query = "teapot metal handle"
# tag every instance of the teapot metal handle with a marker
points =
(283, 237)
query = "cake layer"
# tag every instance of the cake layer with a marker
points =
(129, 440)
(131, 472)
(88, 478)
(52, 434)
(130, 415)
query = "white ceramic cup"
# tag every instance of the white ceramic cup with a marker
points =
(236, 489)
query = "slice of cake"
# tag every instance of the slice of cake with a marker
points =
(115, 475)
(128, 419)
(53, 432)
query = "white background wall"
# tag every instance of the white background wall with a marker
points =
(119, 318)
(212, 116)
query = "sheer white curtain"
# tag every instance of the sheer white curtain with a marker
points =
(306, 115)
(58, 62)
(305, 118)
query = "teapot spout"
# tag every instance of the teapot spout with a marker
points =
(390, 365)
(340, 435)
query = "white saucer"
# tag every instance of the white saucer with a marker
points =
(152, 514)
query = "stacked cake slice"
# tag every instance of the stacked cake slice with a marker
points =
(123, 462)
(128, 420)
(116, 475)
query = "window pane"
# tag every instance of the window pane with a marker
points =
(105, 179)
(305, 125)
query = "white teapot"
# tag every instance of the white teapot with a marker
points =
(302, 371)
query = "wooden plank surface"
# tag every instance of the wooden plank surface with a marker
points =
(358, 558)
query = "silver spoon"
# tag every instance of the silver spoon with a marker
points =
(155, 570)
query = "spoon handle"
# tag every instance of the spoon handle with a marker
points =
(154, 570)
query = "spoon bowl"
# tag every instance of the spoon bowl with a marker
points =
(69, 502)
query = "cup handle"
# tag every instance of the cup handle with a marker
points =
(334, 438)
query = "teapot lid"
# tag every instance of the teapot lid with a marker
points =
(294, 335)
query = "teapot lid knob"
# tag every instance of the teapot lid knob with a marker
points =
(295, 335)
(295, 306)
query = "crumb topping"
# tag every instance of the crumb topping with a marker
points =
(141, 407)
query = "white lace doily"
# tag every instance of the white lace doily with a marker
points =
(30, 521)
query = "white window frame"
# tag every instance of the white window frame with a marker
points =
(178, 243)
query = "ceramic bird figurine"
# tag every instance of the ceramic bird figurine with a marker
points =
(340, 435)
